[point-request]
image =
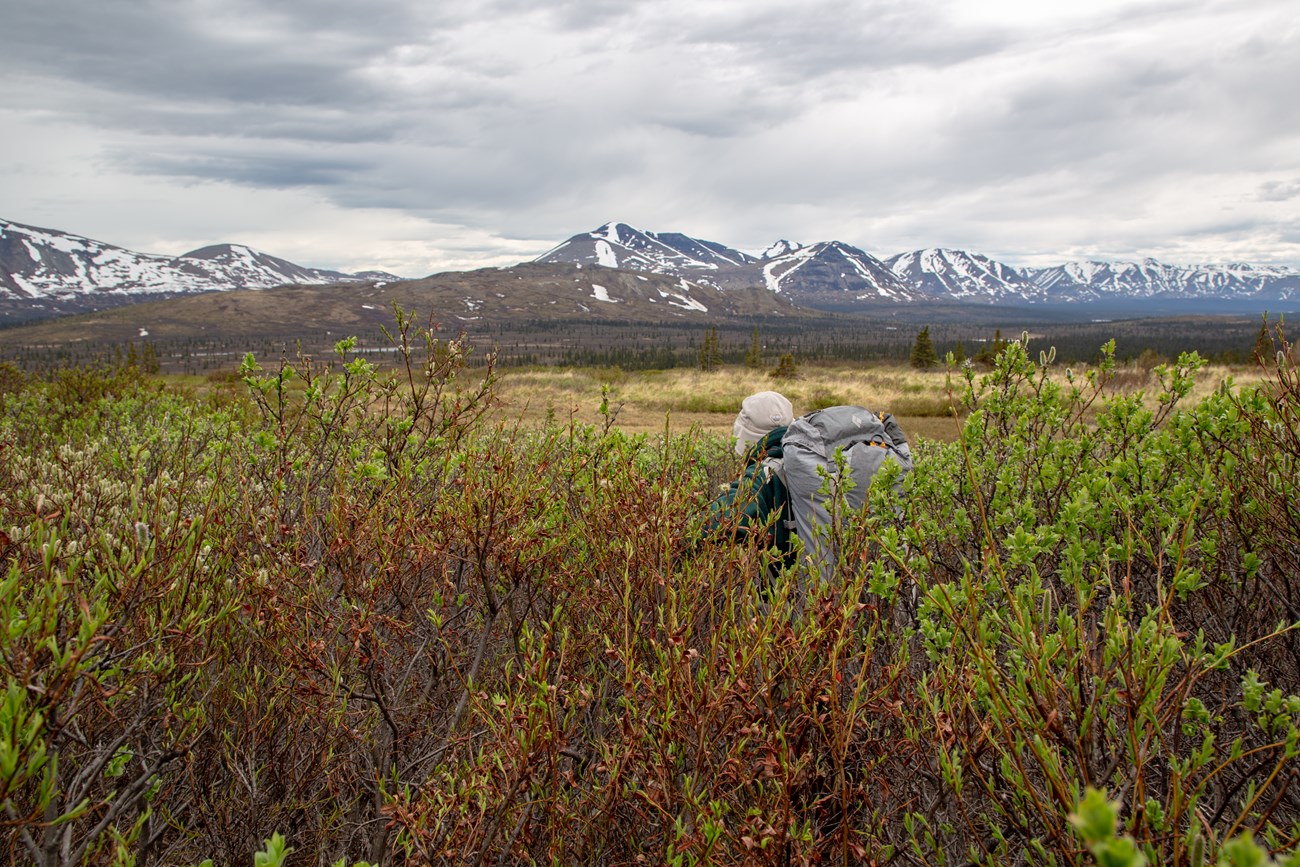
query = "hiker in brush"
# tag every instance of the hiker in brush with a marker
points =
(756, 500)
(800, 472)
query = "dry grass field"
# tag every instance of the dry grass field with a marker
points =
(681, 398)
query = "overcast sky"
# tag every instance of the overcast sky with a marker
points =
(427, 135)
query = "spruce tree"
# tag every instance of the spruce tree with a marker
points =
(786, 368)
(149, 359)
(989, 351)
(923, 354)
(959, 353)
(754, 357)
(1263, 350)
(710, 354)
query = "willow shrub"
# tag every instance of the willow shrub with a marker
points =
(113, 584)
(347, 617)
(1106, 603)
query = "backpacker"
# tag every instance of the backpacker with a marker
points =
(781, 491)
(810, 444)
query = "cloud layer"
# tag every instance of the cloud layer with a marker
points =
(421, 137)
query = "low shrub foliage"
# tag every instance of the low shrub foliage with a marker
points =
(342, 618)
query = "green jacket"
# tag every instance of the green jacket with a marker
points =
(757, 500)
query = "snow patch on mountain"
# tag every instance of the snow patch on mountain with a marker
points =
(605, 256)
(770, 280)
(780, 248)
(684, 299)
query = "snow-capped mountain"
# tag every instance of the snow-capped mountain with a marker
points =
(835, 275)
(1089, 281)
(960, 276)
(618, 245)
(44, 265)
(832, 273)
(829, 274)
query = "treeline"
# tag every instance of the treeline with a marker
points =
(635, 346)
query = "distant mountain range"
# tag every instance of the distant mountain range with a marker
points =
(44, 272)
(530, 312)
(53, 270)
(835, 275)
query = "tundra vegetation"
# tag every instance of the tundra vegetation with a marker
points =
(355, 614)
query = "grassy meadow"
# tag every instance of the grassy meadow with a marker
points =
(337, 614)
(926, 402)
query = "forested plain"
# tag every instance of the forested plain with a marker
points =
(199, 336)
(340, 613)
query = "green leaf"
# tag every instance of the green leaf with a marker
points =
(274, 854)
(1094, 817)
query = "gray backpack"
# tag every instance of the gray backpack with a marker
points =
(868, 442)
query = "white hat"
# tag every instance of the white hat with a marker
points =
(760, 414)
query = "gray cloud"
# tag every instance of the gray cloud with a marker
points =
(236, 53)
(893, 124)
(1279, 191)
(267, 169)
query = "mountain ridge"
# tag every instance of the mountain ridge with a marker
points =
(45, 272)
(842, 274)
(73, 273)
